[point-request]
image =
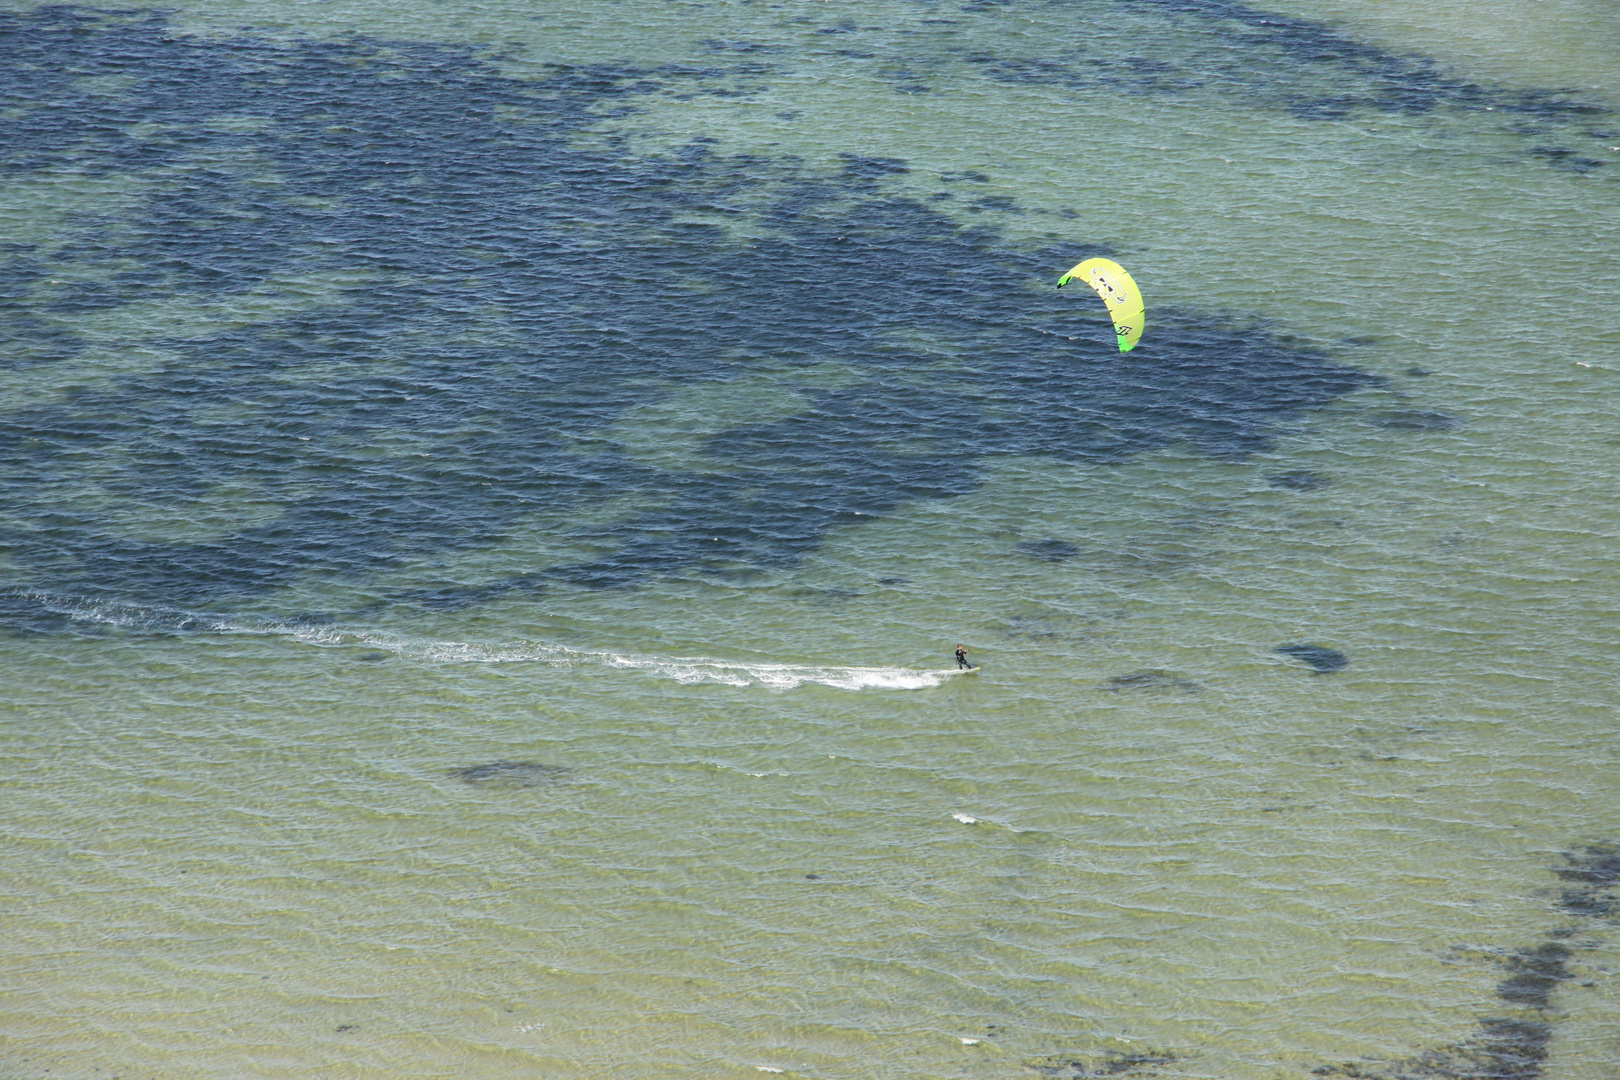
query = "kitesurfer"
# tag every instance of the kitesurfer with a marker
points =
(961, 657)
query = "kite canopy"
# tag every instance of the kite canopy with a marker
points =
(1119, 292)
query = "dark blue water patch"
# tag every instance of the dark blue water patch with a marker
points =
(513, 774)
(1048, 550)
(26, 339)
(517, 290)
(1277, 61)
(1565, 158)
(1377, 78)
(1320, 659)
(1299, 480)
(738, 46)
(1074, 69)
(859, 168)
(996, 202)
(1416, 420)
(1153, 681)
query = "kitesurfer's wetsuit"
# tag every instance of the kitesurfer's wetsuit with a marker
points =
(961, 659)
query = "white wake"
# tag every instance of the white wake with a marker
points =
(681, 669)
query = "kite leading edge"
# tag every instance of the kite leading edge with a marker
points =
(1119, 292)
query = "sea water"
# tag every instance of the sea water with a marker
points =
(489, 494)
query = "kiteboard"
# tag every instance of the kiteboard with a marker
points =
(962, 671)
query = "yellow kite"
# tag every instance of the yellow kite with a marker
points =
(1119, 292)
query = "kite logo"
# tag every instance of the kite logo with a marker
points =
(1100, 279)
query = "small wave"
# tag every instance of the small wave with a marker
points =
(681, 669)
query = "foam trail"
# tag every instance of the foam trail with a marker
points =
(175, 620)
(681, 669)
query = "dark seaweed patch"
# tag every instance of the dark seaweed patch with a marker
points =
(1048, 550)
(1112, 1064)
(1416, 420)
(1512, 1047)
(872, 168)
(512, 774)
(498, 332)
(1322, 660)
(1383, 80)
(996, 202)
(739, 46)
(1300, 480)
(1284, 62)
(1154, 681)
(1596, 870)
(826, 596)
(1536, 974)
(1504, 1049)
(1597, 865)
(1586, 902)
(1076, 71)
(1565, 158)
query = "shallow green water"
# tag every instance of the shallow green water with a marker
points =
(238, 841)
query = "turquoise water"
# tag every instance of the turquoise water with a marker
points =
(487, 499)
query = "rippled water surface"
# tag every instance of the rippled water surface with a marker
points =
(488, 497)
